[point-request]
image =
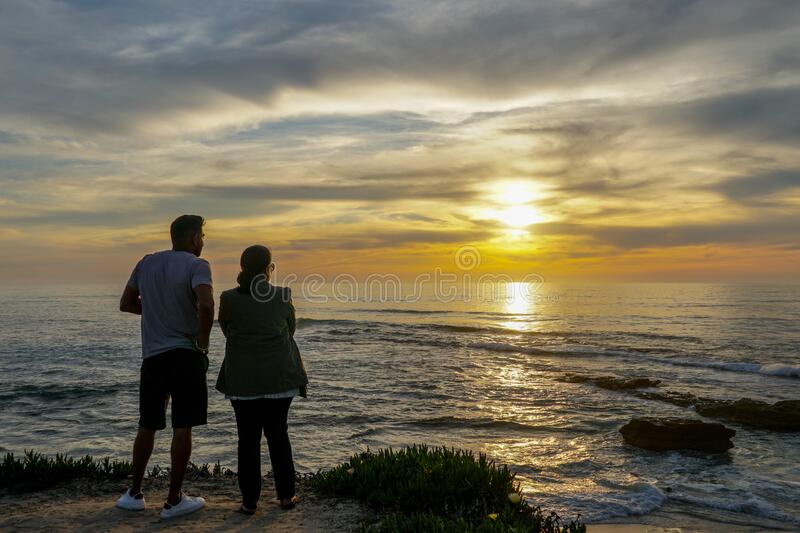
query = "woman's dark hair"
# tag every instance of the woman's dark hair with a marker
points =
(255, 260)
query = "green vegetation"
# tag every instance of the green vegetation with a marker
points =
(36, 471)
(438, 490)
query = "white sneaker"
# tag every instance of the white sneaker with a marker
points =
(186, 505)
(131, 503)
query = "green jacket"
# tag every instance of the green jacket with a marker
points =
(261, 356)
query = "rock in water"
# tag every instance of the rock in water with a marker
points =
(612, 382)
(661, 434)
(779, 416)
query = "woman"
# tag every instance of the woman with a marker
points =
(261, 373)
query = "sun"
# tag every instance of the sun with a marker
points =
(515, 200)
(519, 216)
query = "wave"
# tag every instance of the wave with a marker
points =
(767, 369)
(338, 420)
(403, 311)
(55, 392)
(361, 434)
(573, 345)
(634, 500)
(476, 423)
(307, 322)
(492, 329)
(777, 369)
(752, 505)
(508, 348)
(468, 328)
(396, 310)
(771, 369)
(461, 329)
(564, 351)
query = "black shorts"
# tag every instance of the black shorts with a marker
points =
(180, 374)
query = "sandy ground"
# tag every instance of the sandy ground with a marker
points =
(86, 505)
(89, 506)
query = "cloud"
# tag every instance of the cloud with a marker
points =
(382, 125)
(760, 114)
(413, 217)
(150, 70)
(764, 230)
(387, 239)
(756, 186)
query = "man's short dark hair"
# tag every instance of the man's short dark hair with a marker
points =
(184, 227)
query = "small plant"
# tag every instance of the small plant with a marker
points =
(206, 471)
(439, 490)
(35, 471)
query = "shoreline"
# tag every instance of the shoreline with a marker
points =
(672, 518)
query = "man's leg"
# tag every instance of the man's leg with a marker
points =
(180, 452)
(153, 400)
(187, 384)
(142, 449)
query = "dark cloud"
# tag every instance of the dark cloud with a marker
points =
(756, 186)
(143, 212)
(761, 114)
(387, 239)
(764, 230)
(369, 192)
(413, 217)
(114, 69)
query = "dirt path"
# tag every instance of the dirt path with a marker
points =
(89, 506)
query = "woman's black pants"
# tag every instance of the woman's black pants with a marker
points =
(252, 418)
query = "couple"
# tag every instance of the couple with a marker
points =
(261, 373)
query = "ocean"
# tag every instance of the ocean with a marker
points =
(479, 373)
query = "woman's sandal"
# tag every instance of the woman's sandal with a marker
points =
(289, 503)
(245, 511)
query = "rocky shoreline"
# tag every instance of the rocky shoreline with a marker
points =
(779, 416)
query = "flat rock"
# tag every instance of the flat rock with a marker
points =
(662, 434)
(613, 382)
(778, 416)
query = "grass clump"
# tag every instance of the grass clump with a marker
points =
(440, 490)
(36, 471)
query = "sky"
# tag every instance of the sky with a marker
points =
(620, 140)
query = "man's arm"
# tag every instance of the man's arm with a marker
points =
(205, 313)
(130, 302)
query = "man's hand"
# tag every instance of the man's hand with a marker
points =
(205, 313)
(130, 302)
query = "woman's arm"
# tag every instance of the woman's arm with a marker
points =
(291, 320)
(222, 319)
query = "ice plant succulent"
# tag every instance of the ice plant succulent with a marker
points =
(438, 489)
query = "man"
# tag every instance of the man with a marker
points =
(172, 292)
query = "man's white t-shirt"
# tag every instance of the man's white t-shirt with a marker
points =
(166, 282)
